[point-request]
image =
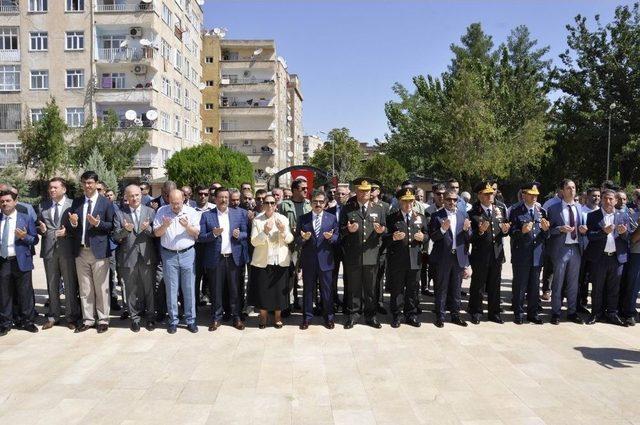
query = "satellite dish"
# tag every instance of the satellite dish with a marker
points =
(124, 43)
(289, 139)
(217, 31)
(257, 51)
(152, 115)
(290, 154)
(289, 118)
(147, 1)
(138, 122)
(222, 34)
(202, 86)
(145, 42)
(130, 115)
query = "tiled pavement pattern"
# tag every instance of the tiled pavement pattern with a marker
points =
(485, 374)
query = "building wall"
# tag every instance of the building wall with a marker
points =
(210, 61)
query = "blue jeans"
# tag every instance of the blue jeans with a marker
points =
(179, 271)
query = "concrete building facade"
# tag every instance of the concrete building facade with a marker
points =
(310, 144)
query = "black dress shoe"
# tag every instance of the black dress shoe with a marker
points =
(30, 327)
(413, 321)
(614, 319)
(135, 326)
(395, 323)
(475, 319)
(374, 323)
(214, 326)
(496, 319)
(583, 309)
(630, 321)
(592, 319)
(348, 324)
(329, 324)
(172, 329)
(239, 325)
(518, 320)
(102, 328)
(457, 320)
(4, 330)
(150, 326)
(193, 328)
(82, 328)
(439, 322)
(535, 320)
(555, 320)
(304, 325)
(575, 319)
(381, 309)
(278, 325)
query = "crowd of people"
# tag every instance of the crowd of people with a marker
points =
(278, 252)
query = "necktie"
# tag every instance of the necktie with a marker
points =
(572, 223)
(4, 247)
(56, 215)
(533, 217)
(316, 225)
(408, 221)
(489, 213)
(87, 243)
(136, 220)
(364, 211)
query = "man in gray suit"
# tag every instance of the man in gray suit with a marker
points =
(57, 254)
(132, 229)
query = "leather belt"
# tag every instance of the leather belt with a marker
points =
(609, 254)
(453, 252)
(225, 255)
(177, 251)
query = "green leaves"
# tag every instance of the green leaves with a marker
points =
(348, 155)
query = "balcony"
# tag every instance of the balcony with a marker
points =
(247, 85)
(9, 55)
(9, 7)
(122, 7)
(234, 134)
(125, 54)
(147, 161)
(125, 96)
(244, 64)
(246, 110)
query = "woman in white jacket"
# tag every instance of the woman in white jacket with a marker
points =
(270, 236)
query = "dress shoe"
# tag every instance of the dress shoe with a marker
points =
(304, 325)
(214, 326)
(496, 319)
(135, 326)
(475, 319)
(348, 324)
(82, 328)
(172, 329)
(124, 315)
(439, 322)
(592, 319)
(48, 325)
(413, 321)
(193, 328)
(278, 325)
(239, 325)
(374, 323)
(555, 320)
(4, 330)
(614, 319)
(30, 327)
(546, 296)
(329, 324)
(102, 328)
(395, 323)
(535, 320)
(630, 321)
(457, 320)
(381, 309)
(575, 319)
(261, 326)
(518, 320)
(150, 326)
(72, 326)
(583, 309)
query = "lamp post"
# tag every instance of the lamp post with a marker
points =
(611, 108)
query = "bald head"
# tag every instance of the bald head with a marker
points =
(176, 199)
(133, 195)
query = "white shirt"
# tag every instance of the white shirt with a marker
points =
(223, 222)
(11, 221)
(611, 242)
(85, 223)
(565, 217)
(453, 221)
(176, 237)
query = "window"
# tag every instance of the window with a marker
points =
(38, 41)
(74, 6)
(75, 40)
(8, 38)
(186, 68)
(208, 106)
(36, 115)
(9, 77)
(111, 41)
(187, 133)
(195, 134)
(164, 122)
(208, 130)
(166, 87)
(39, 79)
(9, 152)
(208, 59)
(75, 78)
(75, 117)
(38, 6)
(176, 125)
(209, 83)
(178, 63)
(166, 49)
(167, 16)
(10, 116)
(178, 92)
(187, 100)
(112, 80)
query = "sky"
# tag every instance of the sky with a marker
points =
(349, 53)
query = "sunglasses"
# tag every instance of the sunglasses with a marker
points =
(204, 194)
(451, 199)
(303, 189)
(269, 202)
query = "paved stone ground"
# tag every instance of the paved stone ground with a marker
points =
(486, 374)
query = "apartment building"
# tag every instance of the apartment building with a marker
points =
(138, 58)
(251, 103)
(310, 144)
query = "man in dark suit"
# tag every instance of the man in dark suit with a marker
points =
(342, 195)
(188, 194)
(608, 249)
(489, 226)
(224, 229)
(18, 236)
(406, 233)
(564, 247)
(89, 222)
(450, 231)
(137, 257)
(317, 233)
(57, 253)
(362, 224)
(529, 230)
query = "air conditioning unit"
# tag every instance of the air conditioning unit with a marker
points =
(135, 32)
(140, 69)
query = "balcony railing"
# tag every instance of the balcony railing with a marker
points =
(7, 8)
(127, 54)
(7, 55)
(146, 162)
(250, 80)
(124, 7)
(250, 103)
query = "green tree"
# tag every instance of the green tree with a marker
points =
(43, 147)
(205, 164)
(96, 162)
(601, 68)
(348, 155)
(118, 146)
(387, 170)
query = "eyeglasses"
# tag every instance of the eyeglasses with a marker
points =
(317, 201)
(438, 193)
(203, 194)
(451, 199)
(269, 202)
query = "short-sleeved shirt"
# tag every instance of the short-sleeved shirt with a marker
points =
(176, 237)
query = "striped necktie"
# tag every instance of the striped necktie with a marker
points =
(316, 224)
